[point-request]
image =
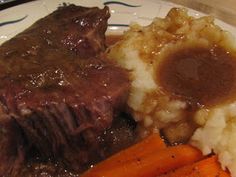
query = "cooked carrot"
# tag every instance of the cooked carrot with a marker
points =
(150, 144)
(148, 165)
(209, 167)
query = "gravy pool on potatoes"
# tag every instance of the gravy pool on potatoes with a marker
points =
(200, 76)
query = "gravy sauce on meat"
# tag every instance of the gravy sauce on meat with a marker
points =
(201, 76)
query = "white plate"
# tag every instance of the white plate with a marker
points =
(141, 11)
(6, 1)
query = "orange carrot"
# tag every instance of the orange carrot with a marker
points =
(209, 167)
(148, 165)
(150, 144)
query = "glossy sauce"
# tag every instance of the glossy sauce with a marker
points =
(203, 77)
(112, 39)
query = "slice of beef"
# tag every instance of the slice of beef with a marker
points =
(11, 146)
(58, 93)
(119, 136)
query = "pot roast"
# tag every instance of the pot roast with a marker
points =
(58, 93)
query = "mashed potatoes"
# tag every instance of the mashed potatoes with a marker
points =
(184, 81)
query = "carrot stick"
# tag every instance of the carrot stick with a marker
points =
(150, 144)
(209, 167)
(149, 165)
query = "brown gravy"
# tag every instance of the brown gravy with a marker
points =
(203, 77)
(112, 39)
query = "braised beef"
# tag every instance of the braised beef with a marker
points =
(119, 136)
(58, 93)
(11, 146)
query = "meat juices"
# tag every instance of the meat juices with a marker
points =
(58, 94)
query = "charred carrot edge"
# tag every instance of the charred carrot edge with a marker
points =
(209, 167)
(146, 165)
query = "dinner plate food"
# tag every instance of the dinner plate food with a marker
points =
(116, 89)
